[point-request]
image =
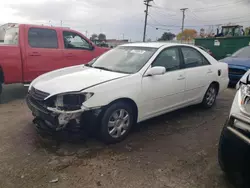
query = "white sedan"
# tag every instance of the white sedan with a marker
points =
(124, 86)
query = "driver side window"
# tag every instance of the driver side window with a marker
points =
(74, 41)
(168, 58)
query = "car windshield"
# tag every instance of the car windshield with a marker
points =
(243, 53)
(124, 59)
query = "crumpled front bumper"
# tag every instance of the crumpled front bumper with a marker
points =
(47, 121)
(39, 111)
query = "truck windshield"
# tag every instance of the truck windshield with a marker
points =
(124, 59)
(9, 36)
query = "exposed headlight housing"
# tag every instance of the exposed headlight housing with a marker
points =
(244, 98)
(71, 101)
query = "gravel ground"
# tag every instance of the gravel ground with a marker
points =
(176, 150)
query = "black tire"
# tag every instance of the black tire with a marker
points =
(106, 118)
(231, 85)
(233, 159)
(208, 102)
(220, 148)
(1, 90)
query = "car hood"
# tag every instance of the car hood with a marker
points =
(237, 61)
(73, 79)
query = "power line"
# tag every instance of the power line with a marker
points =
(158, 21)
(218, 6)
(146, 2)
(163, 8)
(158, 28)
(197, 18)
(167, 16)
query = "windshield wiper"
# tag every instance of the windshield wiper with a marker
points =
(88, 65)
(103, 68)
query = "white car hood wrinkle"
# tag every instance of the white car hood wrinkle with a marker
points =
(73, 79)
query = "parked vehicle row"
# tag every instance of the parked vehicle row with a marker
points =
(124, 86)
(28, 51)
(238, 63)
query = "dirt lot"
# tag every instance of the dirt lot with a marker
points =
(177, 150)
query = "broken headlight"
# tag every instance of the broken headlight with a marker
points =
(71, 101)
(244, 98)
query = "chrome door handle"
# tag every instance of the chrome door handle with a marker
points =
(209, 71)
(181, 77)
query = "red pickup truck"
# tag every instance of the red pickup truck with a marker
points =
(27, 51)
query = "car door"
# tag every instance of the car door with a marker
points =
(164, 93)
(42, 52)
(77, 50)
(199, 74)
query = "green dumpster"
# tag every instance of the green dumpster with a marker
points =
(221, 46)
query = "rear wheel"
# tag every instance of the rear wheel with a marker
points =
(210, 96)
(116, 122)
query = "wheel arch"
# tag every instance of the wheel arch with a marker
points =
(131, 103)
(217, 85)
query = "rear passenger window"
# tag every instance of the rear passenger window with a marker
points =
(192, 58)
(42, 38)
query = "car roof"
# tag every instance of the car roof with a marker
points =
(154, 44)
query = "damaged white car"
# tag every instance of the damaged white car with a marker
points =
(126, 85)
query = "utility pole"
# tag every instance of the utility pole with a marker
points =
(183, 18)
(146, 2)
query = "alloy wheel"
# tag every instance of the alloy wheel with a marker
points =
(211, 96)
(118, 123)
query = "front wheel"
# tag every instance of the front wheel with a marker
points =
(116, 122)
(210, 96)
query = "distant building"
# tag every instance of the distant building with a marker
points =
(115, 42)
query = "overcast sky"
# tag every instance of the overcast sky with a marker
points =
(116, 18)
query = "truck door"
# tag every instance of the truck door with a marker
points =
(42, 52)
(77, 49)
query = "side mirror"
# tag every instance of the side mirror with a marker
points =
(158, 70)
(228, 55)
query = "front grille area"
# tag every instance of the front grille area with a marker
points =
(37, 104)
(236, 71)
(37, 94)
